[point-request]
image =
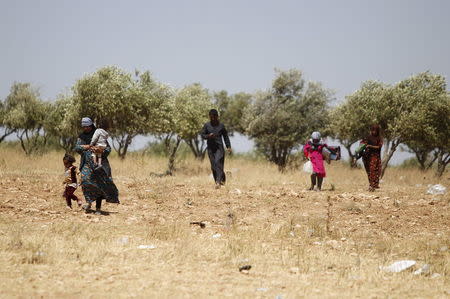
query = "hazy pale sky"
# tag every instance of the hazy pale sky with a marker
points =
(232, 45)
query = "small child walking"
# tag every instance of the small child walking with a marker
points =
(100, 139)
(313, 151)
(70, 181)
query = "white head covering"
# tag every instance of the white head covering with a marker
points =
(86, 122)
(315, 135)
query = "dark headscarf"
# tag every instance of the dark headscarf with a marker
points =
(87, 137)
(374, 140)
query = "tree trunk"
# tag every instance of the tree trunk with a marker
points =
(281, 157)
(6, 133)
(67, 144)
(435, 156)
(30, 142)
(123, 143)
(421, 158)
(197, 147)
(173, 152)
(351, 156)
(124, 151)
(442, 161)
(22, 143)
(389, 151)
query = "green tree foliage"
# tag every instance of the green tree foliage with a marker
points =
(129, 107)
(5, 131)
(414, 111)
(426, 128)
(26, 115)
(231, 109)
(370, 104)
(346, 126)
(166, 128)
(107, 95)
(374, 102)
(192, 104)
(284, 116)
(65, 132)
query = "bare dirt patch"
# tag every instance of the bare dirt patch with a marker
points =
(298, 243)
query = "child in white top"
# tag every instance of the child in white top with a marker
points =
(99, 139)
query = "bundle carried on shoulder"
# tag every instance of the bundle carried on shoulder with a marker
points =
(332, 153)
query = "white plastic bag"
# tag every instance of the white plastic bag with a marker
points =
(399, 266)
(436, 189)
(307, 167)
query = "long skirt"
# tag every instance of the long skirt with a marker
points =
(372, 164)
(98, 185)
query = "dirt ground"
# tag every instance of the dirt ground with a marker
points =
(299, 243)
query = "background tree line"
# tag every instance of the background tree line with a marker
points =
(414, 112)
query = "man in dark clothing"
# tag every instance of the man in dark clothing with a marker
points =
(213, 132)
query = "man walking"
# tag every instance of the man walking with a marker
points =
(213, 132)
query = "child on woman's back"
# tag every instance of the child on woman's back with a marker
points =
(313, 151)
(70, 180)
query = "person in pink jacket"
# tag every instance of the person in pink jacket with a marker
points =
(313, 151)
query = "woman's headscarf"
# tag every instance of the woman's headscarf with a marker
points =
(87, 137)
(377, 138)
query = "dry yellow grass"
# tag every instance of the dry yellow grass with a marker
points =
(299, 243)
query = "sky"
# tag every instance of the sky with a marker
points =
(231, 45)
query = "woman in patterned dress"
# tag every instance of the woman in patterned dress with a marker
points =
(372, 156)
(96, 184)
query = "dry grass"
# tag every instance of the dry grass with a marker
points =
(298, 243)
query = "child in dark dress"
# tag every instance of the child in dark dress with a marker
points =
(70, 181)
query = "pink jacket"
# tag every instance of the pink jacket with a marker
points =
(314, 153)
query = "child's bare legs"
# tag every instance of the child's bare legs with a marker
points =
(313, 181)
(319, 183)
(314, 178)
(69, 195)
(95, 158)
(99, 156)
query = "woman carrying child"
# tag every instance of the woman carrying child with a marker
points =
(97, 184)
(313, 151)
(372, 156)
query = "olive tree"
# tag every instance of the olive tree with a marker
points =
(110, 94)
(426, 126)
(346, 126)
(56, 126)
(6, 131)
(231, 109)
(414, 112)
(281, 118)
(26, 114)
(192, 104)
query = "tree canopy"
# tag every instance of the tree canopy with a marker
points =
(282, 117)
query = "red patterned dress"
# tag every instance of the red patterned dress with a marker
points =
(372, 160)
